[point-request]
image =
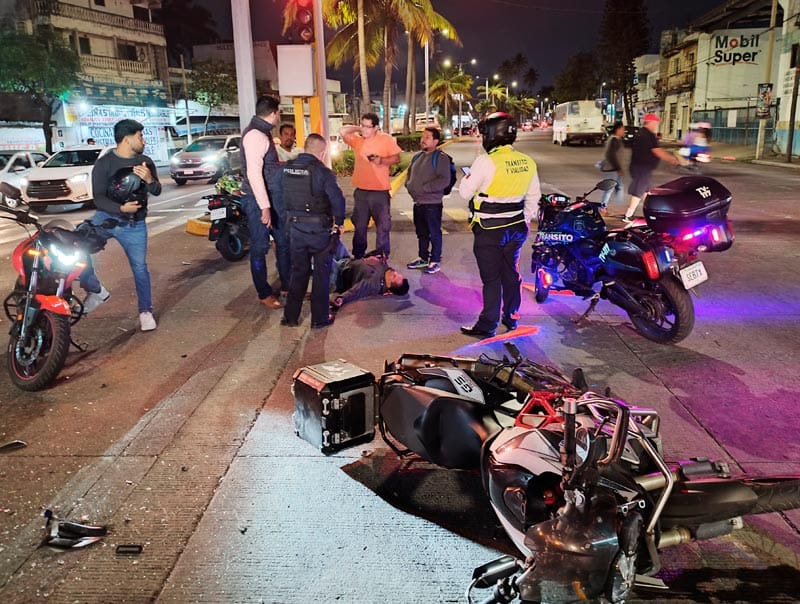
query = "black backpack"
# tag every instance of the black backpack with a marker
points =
(434, 161)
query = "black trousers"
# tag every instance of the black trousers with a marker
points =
(497, 254)
(307, 242)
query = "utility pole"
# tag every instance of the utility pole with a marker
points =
(762, 119)
(245, 64)
(186, 103)
(318, 105)
(793, 113)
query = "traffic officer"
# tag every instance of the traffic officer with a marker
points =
(503, 189)
(315, 214)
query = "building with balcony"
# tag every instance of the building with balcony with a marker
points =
(647, 75)
(124, 72)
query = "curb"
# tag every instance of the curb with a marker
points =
(199, 226)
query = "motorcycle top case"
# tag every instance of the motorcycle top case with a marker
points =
(334, 405)
(686, 203)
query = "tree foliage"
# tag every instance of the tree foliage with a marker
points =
(578, 80)
(446, 83)
(624, 35)
(41, 67)
(213, 84)
(185, 25)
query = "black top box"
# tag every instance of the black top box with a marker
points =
(686, 203)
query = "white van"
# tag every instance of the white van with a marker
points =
(578, 121)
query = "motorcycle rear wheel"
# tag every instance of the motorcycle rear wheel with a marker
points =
(33, 365)
(232, 246)
(670, 312)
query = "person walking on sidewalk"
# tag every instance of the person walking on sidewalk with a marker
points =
(374, 153)
(315, 215)
(121, 182)
(611, 166)
(503, 191)
(645, 154)
(261, 200)
(427, 179)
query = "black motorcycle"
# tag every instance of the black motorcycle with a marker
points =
(228, 224)
(648, 268)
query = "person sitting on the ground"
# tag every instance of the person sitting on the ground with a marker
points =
(354, 279)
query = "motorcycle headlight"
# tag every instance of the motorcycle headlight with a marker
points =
(67, 260)
(83, 177)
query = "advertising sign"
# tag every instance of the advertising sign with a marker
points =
(764, 99)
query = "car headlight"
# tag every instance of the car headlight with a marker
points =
(23, 182)
(175, 160)
(83, 177)
(211, 159)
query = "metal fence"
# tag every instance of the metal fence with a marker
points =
(740, 128)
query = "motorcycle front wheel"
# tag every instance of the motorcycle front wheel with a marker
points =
(35, 361)
(669, 312)
(232, 246)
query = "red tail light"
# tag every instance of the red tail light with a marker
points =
(651, 265)
(545, 278)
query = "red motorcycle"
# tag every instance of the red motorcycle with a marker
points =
(42, 307)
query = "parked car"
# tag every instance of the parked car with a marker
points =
(65, 178)
(14, 166)
(206, 158)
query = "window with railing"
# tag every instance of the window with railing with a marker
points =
(126, 52)
(676, 65)
(84, 46)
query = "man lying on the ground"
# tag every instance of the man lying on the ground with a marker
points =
(369, 276)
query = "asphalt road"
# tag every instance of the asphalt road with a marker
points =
(181, 439)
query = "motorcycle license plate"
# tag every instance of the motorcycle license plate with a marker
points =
(694, 274)
(219, 213)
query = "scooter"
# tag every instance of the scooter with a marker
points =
(42, 307)
(229, 227)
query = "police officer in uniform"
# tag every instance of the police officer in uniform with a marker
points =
(315, 214)
(503, 189)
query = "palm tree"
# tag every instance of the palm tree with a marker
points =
(446, 83)
(529, 78)
(496, 93)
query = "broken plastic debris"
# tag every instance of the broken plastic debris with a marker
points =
(129, 549)
(65, 534)
(13, 446)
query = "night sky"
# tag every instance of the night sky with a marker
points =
(547, 32)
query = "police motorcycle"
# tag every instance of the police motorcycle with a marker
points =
(229, 228)
(648, 268)
(42, 307)
(577, 479)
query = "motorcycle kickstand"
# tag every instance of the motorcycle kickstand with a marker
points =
(81, 347)
(592, 304)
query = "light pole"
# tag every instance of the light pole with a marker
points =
(427, 84)
(460, 97)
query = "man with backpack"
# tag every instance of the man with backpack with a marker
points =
(431, 175)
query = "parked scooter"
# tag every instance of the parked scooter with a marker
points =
(646, 269)
(228, 220)
(42, 307)
(577, 479)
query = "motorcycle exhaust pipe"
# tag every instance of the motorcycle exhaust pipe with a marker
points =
(709, 530)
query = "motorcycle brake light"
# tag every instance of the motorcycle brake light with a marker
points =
(651, 265)
(716, 235)
(545, 277)
(34, 252)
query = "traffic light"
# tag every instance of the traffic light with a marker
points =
(304, 21)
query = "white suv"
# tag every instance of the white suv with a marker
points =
(65, 178)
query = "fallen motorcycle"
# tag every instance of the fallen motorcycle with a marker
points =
(648, 268)
(228, 220)
(42, 307)
(577, 479)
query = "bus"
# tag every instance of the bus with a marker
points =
(578, 121)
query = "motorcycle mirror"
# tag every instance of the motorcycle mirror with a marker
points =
(492, 572)
(606, 184)
(515, 353)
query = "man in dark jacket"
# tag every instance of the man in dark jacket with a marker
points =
(262, 202)
(364, 277)
(315, 215)
(612, 166)
(426, 185)
(127, 213)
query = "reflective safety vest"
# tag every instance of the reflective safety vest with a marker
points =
(501, 203)
(299, 199)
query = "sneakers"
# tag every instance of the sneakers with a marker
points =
(92, 301)
(433, 267)
(146, 321)
(418, 263)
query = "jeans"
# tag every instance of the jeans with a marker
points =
(375, 204)
(259, 246)
(132, 236)
(618, 191)
(428, 224)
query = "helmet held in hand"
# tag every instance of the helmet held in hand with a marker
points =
(126, 186)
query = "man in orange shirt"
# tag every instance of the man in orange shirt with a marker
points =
(374, 153)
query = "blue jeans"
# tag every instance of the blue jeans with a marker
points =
(618, 191)
(375, 204)
(132, 236)
(428, 224)
(259, 246)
